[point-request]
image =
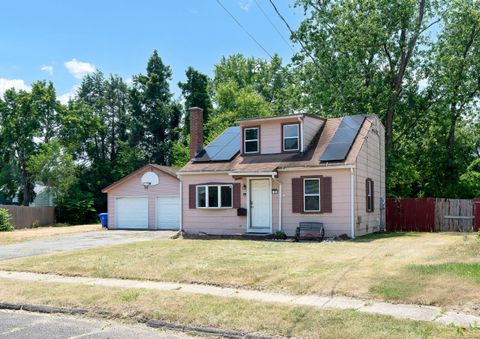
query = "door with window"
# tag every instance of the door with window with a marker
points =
(260, 206)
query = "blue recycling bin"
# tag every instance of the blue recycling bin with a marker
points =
(103, 219)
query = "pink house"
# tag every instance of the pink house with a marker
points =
(269, 174)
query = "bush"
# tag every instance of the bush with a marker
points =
(5, 224)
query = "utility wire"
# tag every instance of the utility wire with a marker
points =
(315, 61)
(243, 28)
(274, 26)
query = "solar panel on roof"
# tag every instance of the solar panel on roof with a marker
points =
(343, 138)
(223, 148)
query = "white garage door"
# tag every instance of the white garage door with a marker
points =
(132, 213)
(168, 213)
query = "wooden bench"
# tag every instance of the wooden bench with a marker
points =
(310, 231)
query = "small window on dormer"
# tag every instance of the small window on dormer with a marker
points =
(250, 140)
(291, 137)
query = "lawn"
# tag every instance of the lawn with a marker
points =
(27, 234)
(428, 268)
(228, 313)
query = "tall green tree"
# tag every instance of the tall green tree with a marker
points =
(156, 116)
(455, 78)
(196, 94)
(18, 126)
(362, 57)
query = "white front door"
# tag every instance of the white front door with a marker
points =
(260, 205)
(131, 212)
(168, 213)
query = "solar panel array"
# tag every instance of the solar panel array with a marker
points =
(343, 138)
(223, 148)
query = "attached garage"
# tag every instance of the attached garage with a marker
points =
(147, 199)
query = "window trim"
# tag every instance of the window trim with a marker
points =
(319, 195)
(369, 195)
(219, 190)
(297, 137)
(244, 132)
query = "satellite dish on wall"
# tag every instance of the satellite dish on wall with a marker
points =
(149, 179)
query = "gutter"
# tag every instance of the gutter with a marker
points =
(252, 174)
(315, 168)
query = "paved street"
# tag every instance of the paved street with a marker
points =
(20, 324)
(77, 241)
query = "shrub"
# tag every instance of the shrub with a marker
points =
(5, 224)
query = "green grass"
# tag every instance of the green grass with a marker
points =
(400, 267)
(470, 271)
(227, 313)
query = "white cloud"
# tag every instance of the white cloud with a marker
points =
(78, 68)
(245, 4)
(129, 81)
(18, 84)
(64, 98)
(422, 84)
(48, 69)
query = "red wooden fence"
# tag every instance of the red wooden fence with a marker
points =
(410, 215)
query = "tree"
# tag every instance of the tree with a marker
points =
(269, 79)
(362, 57)
(454, 76)
(195, 93)
(53, 167)
(156, 117)
(18, 126)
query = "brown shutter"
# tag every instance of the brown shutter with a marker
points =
(326, 194)
(297, 195)
(373, 196)
(236, 195)
(192, 196)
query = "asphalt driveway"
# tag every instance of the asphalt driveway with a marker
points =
(19, 324)
(78, 241)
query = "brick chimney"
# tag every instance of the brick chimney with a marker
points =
(196, 130)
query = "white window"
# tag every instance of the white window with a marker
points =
(291, 137)
(311, 195)
(250, 140)
(214, 196)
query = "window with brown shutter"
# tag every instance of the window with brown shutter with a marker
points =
(237, 195)
(312, 194)
(369, 195)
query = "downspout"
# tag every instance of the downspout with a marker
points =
(279, 202)
(181, 203)
(352, 201)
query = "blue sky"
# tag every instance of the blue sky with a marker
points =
(63, 40)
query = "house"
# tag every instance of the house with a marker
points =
(43, 195)
(148, 199)
(268, 174)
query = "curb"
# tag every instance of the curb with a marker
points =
(154, 323)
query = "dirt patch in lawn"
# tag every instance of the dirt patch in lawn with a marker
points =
(226, 313)
(377, 266)
(28, 234)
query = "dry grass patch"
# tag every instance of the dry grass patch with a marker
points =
(227, 313)
(27, 234)
(376, 266)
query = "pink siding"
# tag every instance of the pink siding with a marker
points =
(168, 186)
(212, 221)
(226, 221)
(370, 163)
(271, 132)
(335, 223)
